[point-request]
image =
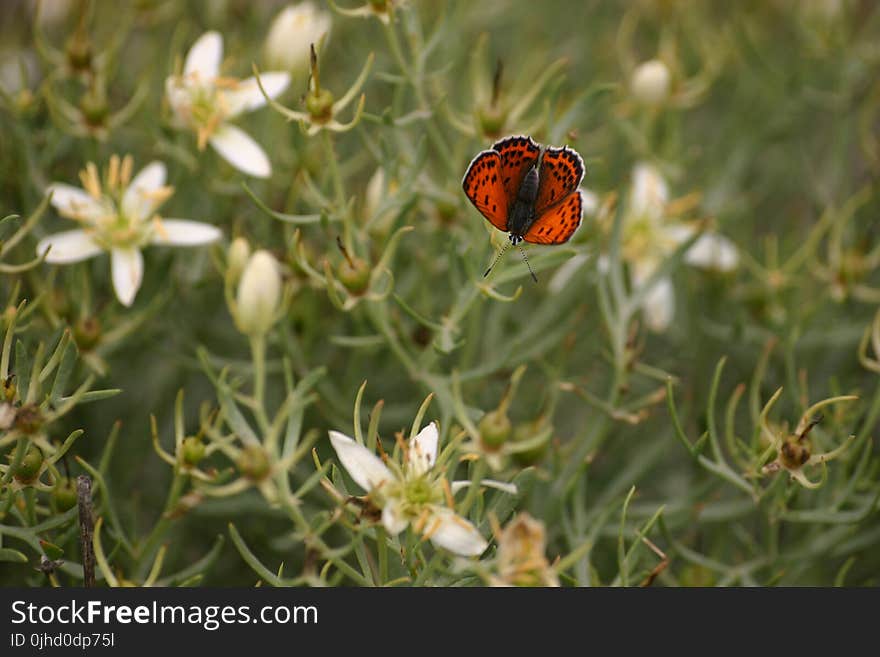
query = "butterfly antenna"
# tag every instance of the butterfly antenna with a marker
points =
(523, 252)
(497, 258)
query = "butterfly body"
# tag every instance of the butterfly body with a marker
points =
(522, 214)
(530, 193)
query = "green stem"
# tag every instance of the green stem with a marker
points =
(145, 555)
(335, 176)
(258, 353)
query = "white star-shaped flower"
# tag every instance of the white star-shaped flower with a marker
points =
(650, 235)
(414, 492)
(119, 216)
(204, 101)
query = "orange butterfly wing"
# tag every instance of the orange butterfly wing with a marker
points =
(561, 172)
(557, 224)
(518, 155)
(482, 184)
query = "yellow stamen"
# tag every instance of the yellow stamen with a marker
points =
(422, 520)
(125, 171)
(160, 227)
(682, 205)
(447, 490)
(202, 137)
(159, 195)
(430, 531)
(226, 83)
(205, 131)
(495, 525)
(90, 181)
(113, 172)
(403, 445)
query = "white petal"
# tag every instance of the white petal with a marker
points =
(362, 465)
(203, 59)
(74, 202)
(127, 267)
(590, 201)
(183, 232)
(136, 202)
(241, 151)
(67, 247)
(659, 305)
(649, 194)
(452, 532)
(293, 30)
(677, 233)
(422, 452)
(713, 251)
(393, 519)
(246, 96)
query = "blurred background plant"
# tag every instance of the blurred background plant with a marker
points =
(628, 420)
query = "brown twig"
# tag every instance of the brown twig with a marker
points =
(660, 567)
(86, 528)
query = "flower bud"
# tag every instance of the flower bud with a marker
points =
(29, 419)
(51, 550)
(259, 294)
(79, 53)
(237, 257)
(528, 431)
(794, 453)
(492, 121)
(319, 105)
(651, 82)
(8, 390)
(193, 450)
(294, 29)
(354, 274)
(64, 496)
(30, 465)
(93, 105)
(253, 463)
(494, 429)
(87, 333)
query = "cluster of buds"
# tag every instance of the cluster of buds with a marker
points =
(32, 400)
(90, 115)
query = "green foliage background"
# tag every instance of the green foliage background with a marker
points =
(773, 120)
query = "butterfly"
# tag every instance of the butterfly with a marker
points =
(529, 192)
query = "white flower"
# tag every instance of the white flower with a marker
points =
(204, 101)
(259, 294)
(650, 235)
(294, 30)
(651, 82)
(414, 492)
(119, 217)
